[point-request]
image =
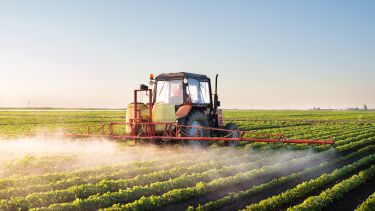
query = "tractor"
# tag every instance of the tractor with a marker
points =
(195, 104)
(181, 108)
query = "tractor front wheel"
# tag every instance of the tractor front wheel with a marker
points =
(232, 134)
(195, 119)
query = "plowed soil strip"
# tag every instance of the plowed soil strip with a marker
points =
(354, 198)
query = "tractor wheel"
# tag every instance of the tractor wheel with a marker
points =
(195, 118)
(231, 126)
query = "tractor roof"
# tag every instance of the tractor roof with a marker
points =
(180, 75)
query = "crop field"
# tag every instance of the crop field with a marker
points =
(51, 172)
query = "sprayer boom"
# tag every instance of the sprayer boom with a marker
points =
(174, 132)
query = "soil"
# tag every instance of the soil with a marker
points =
(351, 200)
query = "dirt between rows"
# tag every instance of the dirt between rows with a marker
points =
(353, 199)
(260, 196)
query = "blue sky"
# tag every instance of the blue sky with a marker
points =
(268, 54)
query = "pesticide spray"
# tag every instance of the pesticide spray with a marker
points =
(46, 154)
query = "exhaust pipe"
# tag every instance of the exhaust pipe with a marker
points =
(216, 97)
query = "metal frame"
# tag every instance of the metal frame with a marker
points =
(172, 131)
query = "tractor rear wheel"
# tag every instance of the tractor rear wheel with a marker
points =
(195, 118)
(234, 134)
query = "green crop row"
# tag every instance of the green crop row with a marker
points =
(25, 181)
(107, 199)
(84, 191)
(356, 135)
(356, 144)
(179, 182)
(201, 188)
(77, 181)
(237, 196)
(120, 175)
(364, 135)
(368, 204)
(336, 192)
(310, 186)
(107, 186)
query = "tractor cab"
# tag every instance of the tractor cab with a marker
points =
(189, 97)
(183, 88)
(180, 102)
(188, 93)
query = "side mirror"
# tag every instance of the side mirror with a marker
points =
(218, 103)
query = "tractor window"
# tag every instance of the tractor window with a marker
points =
(192, 90)
(199, 91)
(169, 92)
(205, 92)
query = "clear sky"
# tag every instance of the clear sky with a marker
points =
(268, 54)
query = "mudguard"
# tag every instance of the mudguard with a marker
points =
(183, 111)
